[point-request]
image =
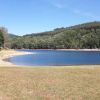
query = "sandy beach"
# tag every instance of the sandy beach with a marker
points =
(4, 54)
(67, 49)
(79, 49)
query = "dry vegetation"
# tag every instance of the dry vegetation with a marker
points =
(65, 83)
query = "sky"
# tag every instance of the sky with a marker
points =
(32, 16)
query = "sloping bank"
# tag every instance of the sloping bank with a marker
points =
(5, 54)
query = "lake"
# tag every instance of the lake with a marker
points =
(57, 58)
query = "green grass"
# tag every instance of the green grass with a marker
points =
(66, 83)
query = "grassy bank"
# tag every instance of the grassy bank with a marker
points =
(67, 83)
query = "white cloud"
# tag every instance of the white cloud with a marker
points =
(86, 14)
(57, 3)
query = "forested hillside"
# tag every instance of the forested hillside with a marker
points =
(80, 36)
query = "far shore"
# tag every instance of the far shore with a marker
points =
(65, 49)
(79, 49)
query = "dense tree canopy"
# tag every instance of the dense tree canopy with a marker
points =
(1, 39)
(4, 38)
(80, 36)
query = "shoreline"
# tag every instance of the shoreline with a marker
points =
(6, 54)
(65, 49)
(79, 49)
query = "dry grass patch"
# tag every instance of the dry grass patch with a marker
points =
(50, 83)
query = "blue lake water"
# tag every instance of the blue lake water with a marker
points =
(57, 58)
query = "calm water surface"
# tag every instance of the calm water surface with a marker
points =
(57, 58)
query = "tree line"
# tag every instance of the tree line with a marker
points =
(4, 38)
(76, 37)
(81, 36)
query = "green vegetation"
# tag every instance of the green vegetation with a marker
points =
(47, 83)
(1, 39)
(4, 38)
(76, 37)
(80, 36)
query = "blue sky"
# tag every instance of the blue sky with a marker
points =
(30, 16)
